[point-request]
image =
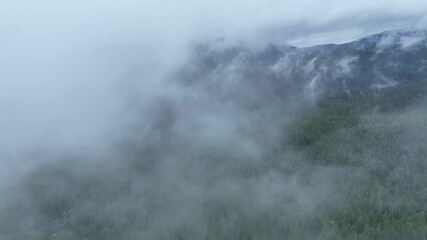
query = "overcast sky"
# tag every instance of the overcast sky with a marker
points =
(65, 65)
(315, 21)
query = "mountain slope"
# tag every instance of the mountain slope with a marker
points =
(235, 156)
(257, 78)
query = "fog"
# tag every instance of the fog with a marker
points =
(102, 127)
(70, 69)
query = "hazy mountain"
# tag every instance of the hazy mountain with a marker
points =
(282, 72)
(231, 153)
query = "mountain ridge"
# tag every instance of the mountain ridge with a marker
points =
(365, 65)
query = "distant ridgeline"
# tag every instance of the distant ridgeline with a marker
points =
(279, 74)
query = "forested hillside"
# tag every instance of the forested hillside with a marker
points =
(327, 142)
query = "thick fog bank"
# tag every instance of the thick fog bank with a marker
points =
(195, 120)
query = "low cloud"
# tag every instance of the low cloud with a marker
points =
(89, 97)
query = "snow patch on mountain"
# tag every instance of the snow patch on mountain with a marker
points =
(282, 66)
(385, 42)
(345, 64)
(309, 67)
(407, 42)
(383, 82)
(311, 90)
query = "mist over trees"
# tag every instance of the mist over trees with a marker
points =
(213, 120)
(232, 155)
